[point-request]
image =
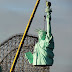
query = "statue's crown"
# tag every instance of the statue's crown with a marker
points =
(40, 30)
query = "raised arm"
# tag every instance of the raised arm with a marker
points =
(48, 18)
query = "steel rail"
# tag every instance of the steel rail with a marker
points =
(24, 36)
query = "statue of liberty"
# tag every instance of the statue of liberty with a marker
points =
(43, 50)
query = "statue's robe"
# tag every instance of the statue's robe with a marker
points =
(43, 52)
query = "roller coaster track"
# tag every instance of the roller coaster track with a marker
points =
(8, 50)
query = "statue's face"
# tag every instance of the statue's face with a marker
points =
(42, 35)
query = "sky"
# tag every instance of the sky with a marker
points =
(14, 16)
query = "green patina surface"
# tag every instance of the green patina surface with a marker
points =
(43, 51)
(29, 56)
